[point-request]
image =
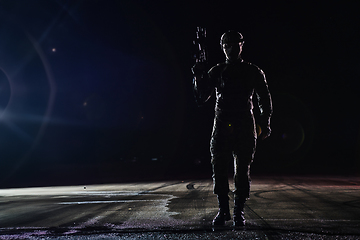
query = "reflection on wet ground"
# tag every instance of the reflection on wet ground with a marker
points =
(279, 208)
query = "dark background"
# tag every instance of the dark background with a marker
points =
(100, 91)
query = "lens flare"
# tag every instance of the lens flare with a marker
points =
(291, 135)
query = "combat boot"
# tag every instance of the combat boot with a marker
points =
(239, 219)
(224, 211)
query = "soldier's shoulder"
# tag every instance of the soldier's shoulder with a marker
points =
(253, 67)
(217, 68)
(250, 65)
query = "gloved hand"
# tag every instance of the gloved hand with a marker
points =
(265, 132)
(199, 68)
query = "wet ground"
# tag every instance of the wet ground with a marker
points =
(279, 208)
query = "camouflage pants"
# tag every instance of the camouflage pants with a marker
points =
(233, 141)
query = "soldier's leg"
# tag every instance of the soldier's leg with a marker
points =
(220, 167)
(220, 158)
(220, 164)
(243, 157)
(242, 178)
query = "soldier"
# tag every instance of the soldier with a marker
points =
(234, 132)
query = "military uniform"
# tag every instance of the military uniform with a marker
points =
(234, 131)
(234, 134)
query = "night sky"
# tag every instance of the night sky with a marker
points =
(101, 91)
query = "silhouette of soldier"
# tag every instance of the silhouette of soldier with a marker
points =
(234, 133)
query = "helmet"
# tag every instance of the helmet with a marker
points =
(231, 36)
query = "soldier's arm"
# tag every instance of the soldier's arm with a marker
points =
(265, 104)
(202, 84)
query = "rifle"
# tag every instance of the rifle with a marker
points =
(200, 50)
(201, 62)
